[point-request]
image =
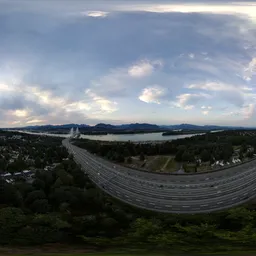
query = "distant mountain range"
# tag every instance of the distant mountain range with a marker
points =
(101, 127)
(202, 127)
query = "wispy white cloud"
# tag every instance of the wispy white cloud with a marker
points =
(78, 106)
(144, 68)
(212, 86)
(236, 95)
(21, 112)
(206, 107)
(250, 70)
(95, 14)
(152, 94)
(246, 112)
(105, 105)
(187, 101)
(5, 88)
(191, 55)
(35, 121)
(247, 9)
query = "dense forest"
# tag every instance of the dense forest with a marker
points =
(29, 151)
(63, 206)
(207, 147)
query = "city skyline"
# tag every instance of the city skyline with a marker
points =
(139, 62)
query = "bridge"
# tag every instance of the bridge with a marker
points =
(74, 134)
(188, 194)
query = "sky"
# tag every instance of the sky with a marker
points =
(161, 62)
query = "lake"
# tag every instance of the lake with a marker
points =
(125, 137)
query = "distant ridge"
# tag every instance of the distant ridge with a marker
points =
(130, 127)
(202, 127)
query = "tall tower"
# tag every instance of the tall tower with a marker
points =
(72, 133)
(77, 133)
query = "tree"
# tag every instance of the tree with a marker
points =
(129, 160)
(38, 162)
(243, 147)
(38, 184)
(179, 154)
(142, 157)
(241, 155)
(11, 221)
(127, 152)
(238, 218)
(65, 177)
(40, 206)
(205, 155)
(187, 157)
(142, 229)
(120, 158)
(9, 195)
(35, 195)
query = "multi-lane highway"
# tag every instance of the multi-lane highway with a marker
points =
(206, 192)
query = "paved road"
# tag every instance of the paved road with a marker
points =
(206, 192)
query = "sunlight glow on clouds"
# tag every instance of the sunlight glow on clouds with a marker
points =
(205, 112)
(187, 100)
(21, 113)
(96, 14)
(152, 94)
(104, 104)
(244, 8)
(35, 121)
(144, 68)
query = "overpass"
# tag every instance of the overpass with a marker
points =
(189, 194)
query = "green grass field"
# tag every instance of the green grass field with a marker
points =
(158, 163)
(171, 166)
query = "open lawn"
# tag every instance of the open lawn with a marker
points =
(158, 163)
(171, 166)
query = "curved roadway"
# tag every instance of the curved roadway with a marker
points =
(206, 192)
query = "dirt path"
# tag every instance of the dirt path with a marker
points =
(166, 163)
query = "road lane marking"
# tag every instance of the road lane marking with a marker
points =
(219, 202)
(152, 203)
(138, 200)
(204, 205)
(185, 206)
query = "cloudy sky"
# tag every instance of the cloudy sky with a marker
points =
(163, 62)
